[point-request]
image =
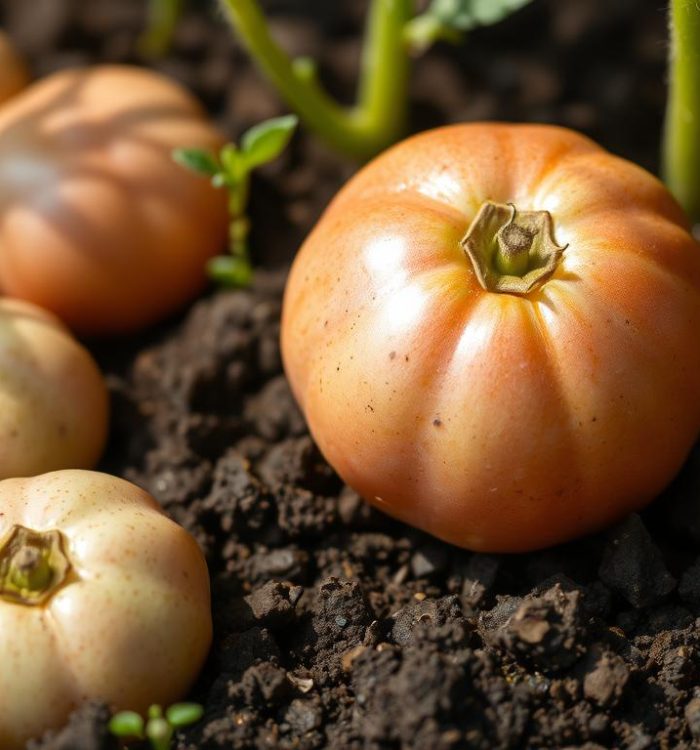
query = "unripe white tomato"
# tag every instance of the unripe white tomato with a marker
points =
(101, 597)
(53, 398)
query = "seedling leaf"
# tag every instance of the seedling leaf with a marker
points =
(126, 724)
(266, 141)
(468, 14)
(448, 20)
(184, 714)
(197, 160)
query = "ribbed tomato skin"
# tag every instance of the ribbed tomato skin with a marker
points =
(494, 421)
(99, 224)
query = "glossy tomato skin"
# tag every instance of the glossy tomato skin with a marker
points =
(100, 226)
(498, 422)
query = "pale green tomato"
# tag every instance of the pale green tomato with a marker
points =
(101, 597)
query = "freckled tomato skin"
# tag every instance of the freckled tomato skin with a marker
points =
(14, 75)
(130, 626)
(54, 406)
(498, 422)
(100, 226)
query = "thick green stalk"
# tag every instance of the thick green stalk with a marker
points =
(383, 91)
(379, 115)
(681, 148)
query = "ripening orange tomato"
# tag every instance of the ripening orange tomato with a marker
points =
(14, 75)
(100, 226)
(493, 334)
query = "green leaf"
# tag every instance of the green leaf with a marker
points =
(230, 271)
(126, 724)
(183, 714)
(463, 15)
(197, 160)
(266, 141)
(448, 20)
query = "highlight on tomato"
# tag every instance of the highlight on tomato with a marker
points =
(100, 226)
(102, 597)
(54, 405)
(493, 331)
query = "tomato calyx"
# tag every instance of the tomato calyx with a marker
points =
(511, 251)
(33, 565)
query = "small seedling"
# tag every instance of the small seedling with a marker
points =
(158, 729)
(231, 169)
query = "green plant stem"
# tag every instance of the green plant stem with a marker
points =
(163, 16)
(681, 147)
(378, 117)
(239, 228)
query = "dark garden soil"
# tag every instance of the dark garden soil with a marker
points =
(337, 627)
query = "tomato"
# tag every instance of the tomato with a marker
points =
(101, 597)
(14, 75)
(493, 334)
(99, 225)
(53, 399)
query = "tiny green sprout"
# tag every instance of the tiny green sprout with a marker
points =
(158, 729)
(231, 170)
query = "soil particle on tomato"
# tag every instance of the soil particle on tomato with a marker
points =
(335, 626)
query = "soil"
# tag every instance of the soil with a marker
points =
(336, 627)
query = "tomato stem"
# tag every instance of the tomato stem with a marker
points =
(681, 142)
(512, 257)
(33, 564)
(30, 569)
(378, 117)
(512, 252)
